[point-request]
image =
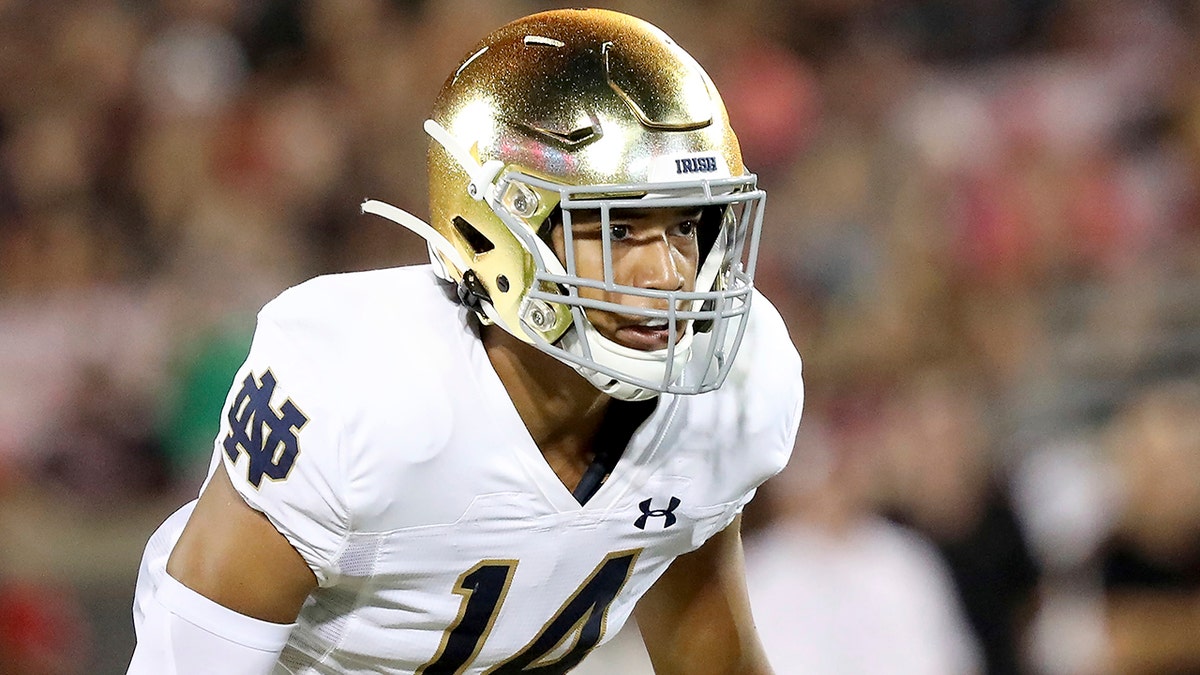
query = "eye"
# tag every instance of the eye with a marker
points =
(619, 232)
(688, 228)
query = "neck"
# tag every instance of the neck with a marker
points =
(561, 410)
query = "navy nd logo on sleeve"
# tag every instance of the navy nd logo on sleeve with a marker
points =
(268, 437)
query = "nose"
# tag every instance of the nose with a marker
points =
(656, 264)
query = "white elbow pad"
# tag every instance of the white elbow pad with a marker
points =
(180, 632)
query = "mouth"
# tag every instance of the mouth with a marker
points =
(648, 336)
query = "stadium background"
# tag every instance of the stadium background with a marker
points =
(982, 229)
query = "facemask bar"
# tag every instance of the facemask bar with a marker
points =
(699, 360)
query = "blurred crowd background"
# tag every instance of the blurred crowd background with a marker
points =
(983, 230)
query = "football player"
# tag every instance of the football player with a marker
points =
(489, 463)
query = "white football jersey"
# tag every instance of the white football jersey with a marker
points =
(369, 426)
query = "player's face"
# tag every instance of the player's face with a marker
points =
(651, 249)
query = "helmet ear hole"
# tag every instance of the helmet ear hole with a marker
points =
(477, 240)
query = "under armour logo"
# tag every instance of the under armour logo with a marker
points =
(272, 454)
(667, 514)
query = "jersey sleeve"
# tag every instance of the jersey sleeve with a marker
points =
(279, 441)
(771, 393)
(730, 441)
(774, 408)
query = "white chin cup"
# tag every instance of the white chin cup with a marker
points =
(642, 372)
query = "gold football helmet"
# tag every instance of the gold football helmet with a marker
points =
(586, 109)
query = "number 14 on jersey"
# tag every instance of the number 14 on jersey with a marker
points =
(579, 622)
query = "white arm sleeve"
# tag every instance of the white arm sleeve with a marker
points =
(185, 633)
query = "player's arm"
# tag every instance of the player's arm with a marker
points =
(236, 585)
(231, 554)
(696, 618)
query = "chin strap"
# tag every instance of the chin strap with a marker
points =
(437, 243)
(481, 175)
(441, 251)
(470, 292)
(480, 188)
